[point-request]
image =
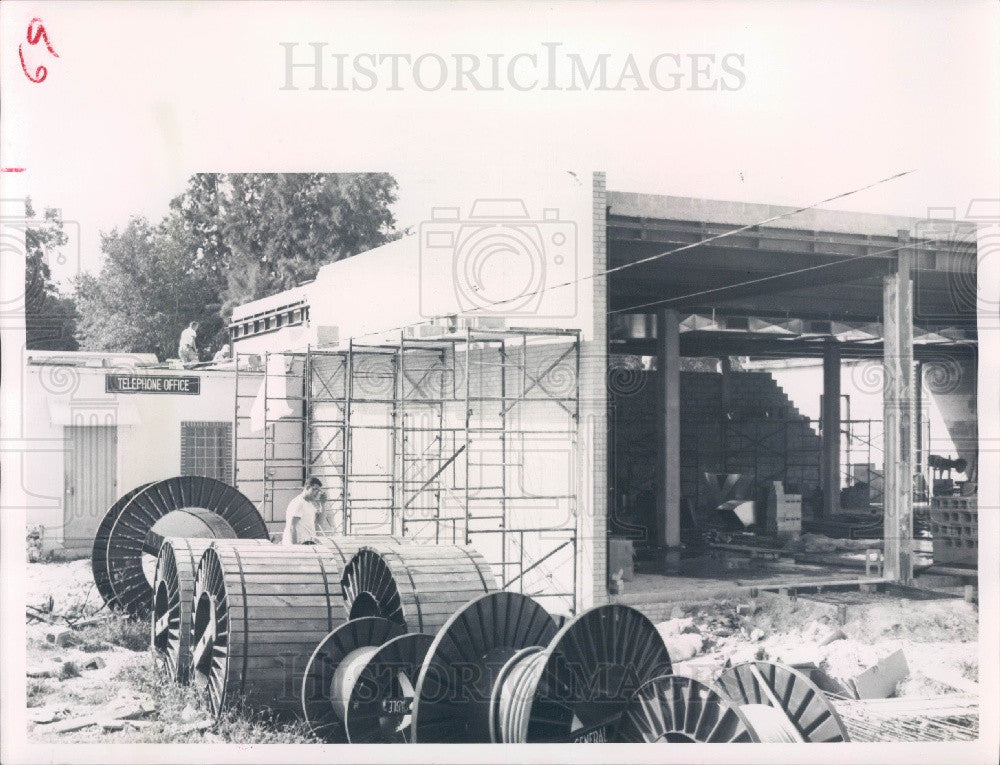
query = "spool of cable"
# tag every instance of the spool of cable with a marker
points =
(257, 611)
(489, 677)
(469, 654)
(805, 712)
(577, 688)
(673, 709)
(380, 708)
(416, 585)
(133, 539)
(513, 694)
(322, 685)
(173, 590)
(345, 677)
(359, 683)
(99, 554)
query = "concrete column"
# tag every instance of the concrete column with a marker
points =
(668, 364)
(897, 398)
(830, 422)
(592, 436)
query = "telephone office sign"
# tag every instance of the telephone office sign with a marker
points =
(123, 383)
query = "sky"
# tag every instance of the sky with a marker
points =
(836, 96)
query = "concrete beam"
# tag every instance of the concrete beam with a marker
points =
(830, 423)
(898, 400)
(669, 432)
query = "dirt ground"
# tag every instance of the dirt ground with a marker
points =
(128, 682)
(938, 639)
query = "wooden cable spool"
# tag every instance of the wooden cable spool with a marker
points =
(500, 672)
(359, 683)
(223, 510)
(258, 615)
(672, 709)
(577, 688)
(417, 586)
(453, 691)
(99, 555)
(781, 704)
(173, 591)
(346, 547)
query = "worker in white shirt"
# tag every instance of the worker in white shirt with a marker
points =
(187, 349)
(301, 515)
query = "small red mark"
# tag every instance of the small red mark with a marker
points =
(12, 169)
(33, 36)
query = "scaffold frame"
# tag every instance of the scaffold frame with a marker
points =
(458, 415)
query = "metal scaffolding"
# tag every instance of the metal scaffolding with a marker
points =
(466, 437)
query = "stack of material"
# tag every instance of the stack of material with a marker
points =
(955, 528)
(939, 718)
(784, 513)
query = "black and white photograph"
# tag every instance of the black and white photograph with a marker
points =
(568, 379)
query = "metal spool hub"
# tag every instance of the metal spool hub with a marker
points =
(417, 586)
(258, 614)
(173, 589)
(782, 704)
(219, 507)
(680, 710)
(576, 689)
(381, 701)
(358, 686)
(453, 690)
(99, 555)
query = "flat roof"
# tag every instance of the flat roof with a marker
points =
(634, 205)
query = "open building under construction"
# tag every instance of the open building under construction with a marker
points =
(682, 399)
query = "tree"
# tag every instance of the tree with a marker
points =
(226, 240)
(199, 213)
(50, 317)
(146, 293)
(280, 228)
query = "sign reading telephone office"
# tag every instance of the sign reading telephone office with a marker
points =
(125, 383)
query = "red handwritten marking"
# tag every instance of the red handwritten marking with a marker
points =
(33, 35)
(40, 34)
(12, 169)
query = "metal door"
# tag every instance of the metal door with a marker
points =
(91, 482)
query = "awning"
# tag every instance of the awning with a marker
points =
(93, 412)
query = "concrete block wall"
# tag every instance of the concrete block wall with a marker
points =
(781, 446)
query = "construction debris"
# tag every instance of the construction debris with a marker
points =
(880, 681)
(939, 718)
(63, 637)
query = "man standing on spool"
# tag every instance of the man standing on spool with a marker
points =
(301, 515)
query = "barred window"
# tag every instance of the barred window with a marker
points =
(207, 449)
